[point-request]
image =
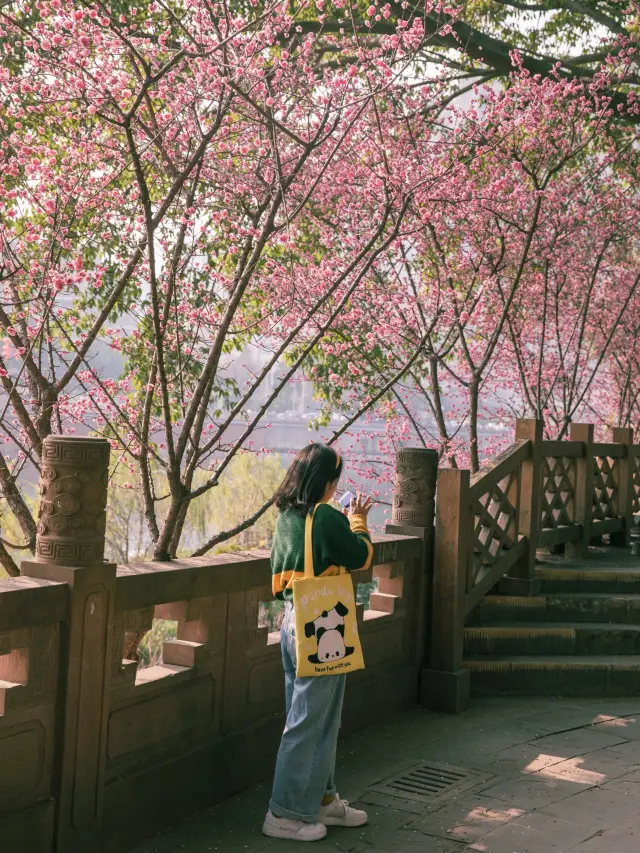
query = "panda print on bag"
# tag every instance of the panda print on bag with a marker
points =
(328, 630)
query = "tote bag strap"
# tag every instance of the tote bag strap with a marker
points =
(308, 545)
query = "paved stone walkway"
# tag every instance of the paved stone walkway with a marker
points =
(552, 776)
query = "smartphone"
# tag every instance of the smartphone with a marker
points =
(345, 500)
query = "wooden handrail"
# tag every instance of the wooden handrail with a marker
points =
(498, 468)
(613, 451)
(562, 449)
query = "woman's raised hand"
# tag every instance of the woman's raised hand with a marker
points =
(360, 505)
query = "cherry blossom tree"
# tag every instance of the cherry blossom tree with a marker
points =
(523, 279)
(166, 175)
(179, 182)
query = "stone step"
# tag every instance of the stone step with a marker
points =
(588, 580)
(561, 607)
(582, 638)
(556, 676)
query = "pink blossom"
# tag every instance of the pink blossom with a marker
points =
(456, 186)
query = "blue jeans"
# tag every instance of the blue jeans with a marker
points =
(305, 767)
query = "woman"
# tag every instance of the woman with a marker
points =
(304, 799)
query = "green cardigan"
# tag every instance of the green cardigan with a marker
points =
(338, 543)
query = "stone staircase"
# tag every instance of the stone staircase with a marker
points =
(579, 636)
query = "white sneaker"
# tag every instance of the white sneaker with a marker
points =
(340, 813)
(295, 830)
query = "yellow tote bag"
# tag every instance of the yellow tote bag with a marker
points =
(327, 641)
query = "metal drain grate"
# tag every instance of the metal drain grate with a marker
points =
(422, 786)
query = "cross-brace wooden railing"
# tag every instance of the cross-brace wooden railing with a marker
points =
(536, 494)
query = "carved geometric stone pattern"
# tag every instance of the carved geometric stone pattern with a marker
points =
(200, 620)
(73, 489)
(557, 493)
(41, 643)
(494, 529)
(205, 622)
(128, 624)
(605, 488)
(415, 487)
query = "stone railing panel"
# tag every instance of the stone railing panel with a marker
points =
(253, 682)
(31, 613)
(159, 713)
(96, 748)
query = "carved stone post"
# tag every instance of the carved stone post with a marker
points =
(414, 491)
(70, 549)
(414, 494)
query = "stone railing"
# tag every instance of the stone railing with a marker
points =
(96, 751)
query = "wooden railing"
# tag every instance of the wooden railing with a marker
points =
(488, 527)
(493, 502)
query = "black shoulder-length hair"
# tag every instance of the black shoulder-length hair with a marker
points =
(306, 480)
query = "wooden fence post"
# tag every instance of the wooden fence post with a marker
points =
(583, 490)
(625, 465)
(521, 579)
(445, 684)
(70, 549)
